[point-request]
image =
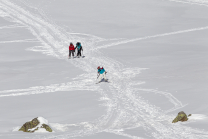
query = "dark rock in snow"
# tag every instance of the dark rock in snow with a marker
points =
(181, 117)
(35, 125)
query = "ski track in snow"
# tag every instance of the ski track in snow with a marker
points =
(154, 36)
(11, 26)
(193, 2)
(26, 40)
(125, 110)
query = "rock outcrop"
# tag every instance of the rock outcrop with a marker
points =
(181, 117)
(35, 125)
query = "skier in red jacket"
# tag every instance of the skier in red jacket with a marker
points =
(71, 50)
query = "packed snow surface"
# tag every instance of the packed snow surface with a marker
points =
(155, 53)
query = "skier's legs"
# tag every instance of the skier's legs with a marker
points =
(104, 77)
(100, 77)
(79, 53)
(72, 52)
(69, 53)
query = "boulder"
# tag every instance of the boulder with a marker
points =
(181, 117)
(46, 127)
(35, 125)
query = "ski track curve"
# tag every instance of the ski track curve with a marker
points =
(125, 109)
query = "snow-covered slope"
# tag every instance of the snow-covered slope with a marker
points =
(154, 52)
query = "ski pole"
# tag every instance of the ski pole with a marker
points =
(97, 78)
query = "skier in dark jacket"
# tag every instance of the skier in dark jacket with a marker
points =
(71, 50)
(79, 49)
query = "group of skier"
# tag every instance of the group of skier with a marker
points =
(101, 71)
(72, 49)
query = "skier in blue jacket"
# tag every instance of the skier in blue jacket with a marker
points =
(101, 74)
(79, 49)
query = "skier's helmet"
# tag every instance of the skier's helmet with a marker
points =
(78, 43)
(98, 67)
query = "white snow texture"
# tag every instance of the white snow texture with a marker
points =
(154, 52)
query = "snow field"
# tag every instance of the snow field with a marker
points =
(124, 108)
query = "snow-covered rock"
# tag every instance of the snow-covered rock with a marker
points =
(181, 117)
(38, 124)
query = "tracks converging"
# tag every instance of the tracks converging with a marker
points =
(125, 109)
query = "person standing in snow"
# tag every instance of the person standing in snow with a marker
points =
(101, 74)
(79, 49)
(71, 50)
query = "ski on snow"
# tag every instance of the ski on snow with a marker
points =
(103, 81)
(76, 57)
